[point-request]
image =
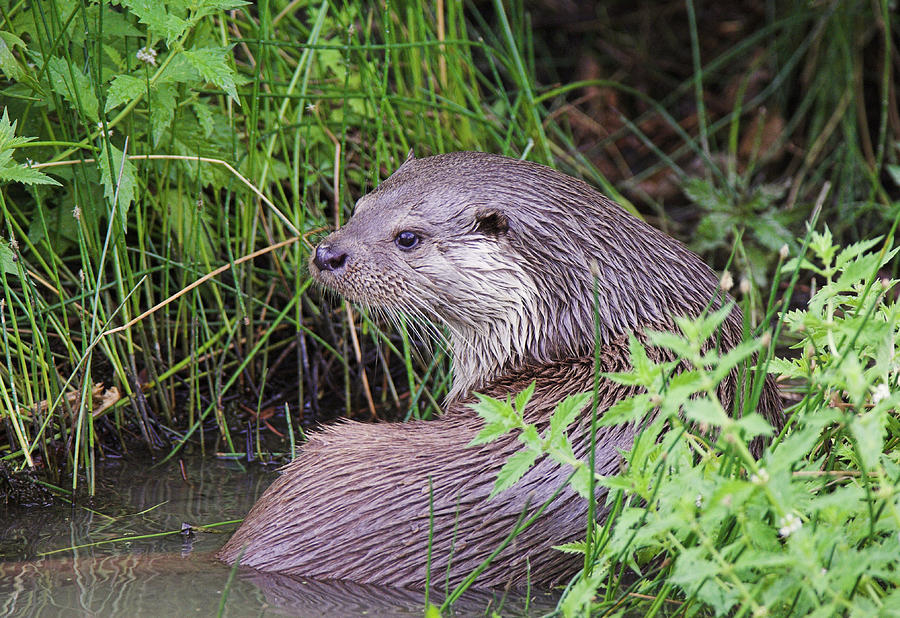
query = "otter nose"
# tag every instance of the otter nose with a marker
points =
(329, 258)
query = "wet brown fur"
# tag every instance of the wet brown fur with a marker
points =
(355, 503)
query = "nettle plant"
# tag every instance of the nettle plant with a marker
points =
(694, 521)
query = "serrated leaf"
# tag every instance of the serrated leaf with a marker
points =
(7, 259)
(705, 410)
(8, 62)
(120, 184)
(567, 410)
(10, 171)
(25, 175)
(113, 54)
(211, 64)
(494, 410)
(792, 264)
(858, 270)
(514, 468)
(754, 425)
(821, 245)
(626, 378)
(204, 117)
(793, 448)
(489, 433)
(680, 388)
(671, 341)
(581, 482)
(851, 251)
(498, 415)
(73, 85)
(524, 397)
(158, 21)
(626, 410)
(123, 89)
(162, 111)
(771, 233)
(530, 438)
(208, 7)
(733, 358)
(868, 431)
(575, 547)
(791, 368)
(579, 597)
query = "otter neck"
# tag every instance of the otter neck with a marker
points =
(484, 352)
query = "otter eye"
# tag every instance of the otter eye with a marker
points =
(406, 240)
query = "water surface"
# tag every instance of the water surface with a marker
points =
(86, 560)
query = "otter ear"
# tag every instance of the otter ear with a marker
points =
(491, 222)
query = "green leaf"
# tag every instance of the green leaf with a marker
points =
(516, 466)
(868, 431)
(733, 358)
(581, 482)
(489, 433)
(754, 425)
(8, 62)
(123, 89)
(681, 387)
(494, 410)
(672, 341)
(499, 417)
(113, 54)
(210, 62)
(627, 410)
(858, 270)
(821, 244)
(792, 264)
(579, 597)
(793, 448)
(74, 86)
(567, 410)
(120, 184)
(162, 111)
(10, 171)
(524, 397)
(204, 117)
(159, 22)
(852, 251)
(575, 547)
(7, 259)
(25, 175)
(705, 410)
(208, 7)
(792, 368)
(530, 438)
(770, 232)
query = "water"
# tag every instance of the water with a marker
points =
(173, 573)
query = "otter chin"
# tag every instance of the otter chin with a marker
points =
(498, 253)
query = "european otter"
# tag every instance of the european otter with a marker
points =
(497, 251)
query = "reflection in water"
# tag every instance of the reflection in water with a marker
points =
(175, 574)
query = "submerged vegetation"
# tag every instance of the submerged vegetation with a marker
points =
(165, 168)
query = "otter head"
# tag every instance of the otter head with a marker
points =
(499, 251)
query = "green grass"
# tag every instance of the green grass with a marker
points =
(165, 173)
(156, 217)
